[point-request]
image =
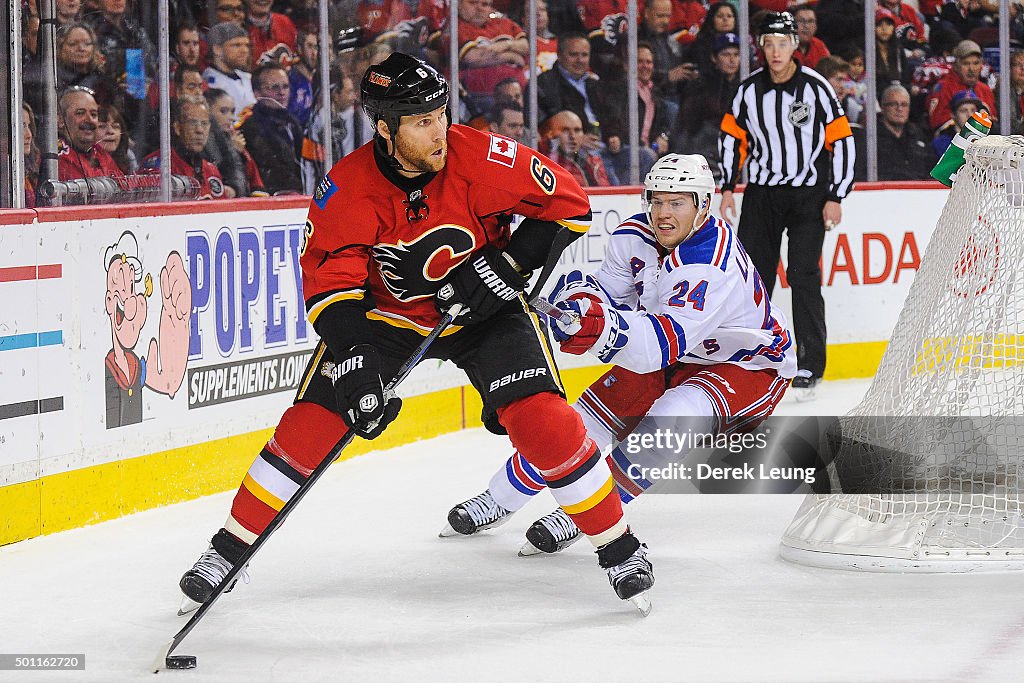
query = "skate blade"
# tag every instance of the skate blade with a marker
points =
(642, 601)
(448, 532)
(188, 605)
(529, 550)
(805, 395)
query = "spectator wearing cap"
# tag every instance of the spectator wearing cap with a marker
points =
(891, 65)
(909, 29)
(695, 130)
(190, 126)
(811, 48)
(964, 75)
(904, 151)
(229, 44)
(963, 105)
(273, 137)
(269, 32)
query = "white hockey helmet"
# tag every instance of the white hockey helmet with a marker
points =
(681, 173)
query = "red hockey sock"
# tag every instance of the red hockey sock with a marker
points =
(552, 438)
(304, 436)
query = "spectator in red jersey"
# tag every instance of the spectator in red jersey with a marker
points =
(79, 153)
(191, 129)
(568, 152)
(113, 137)
(268, 31)
(891, 65)
(593, 12)
(810, 49)
(965, 75)
(909, 28)
(547, 41)
(492, 49)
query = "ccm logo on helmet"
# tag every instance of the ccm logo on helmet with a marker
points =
(433, 96)
(516, 376)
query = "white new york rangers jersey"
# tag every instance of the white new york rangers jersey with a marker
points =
(703, 302)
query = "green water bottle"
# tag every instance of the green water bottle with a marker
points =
(977, 127)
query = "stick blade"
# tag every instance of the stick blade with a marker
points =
(161, 658)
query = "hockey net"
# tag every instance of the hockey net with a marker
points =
(929, 463)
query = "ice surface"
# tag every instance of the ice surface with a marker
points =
(357, 587)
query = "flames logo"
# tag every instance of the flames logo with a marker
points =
(413, 270)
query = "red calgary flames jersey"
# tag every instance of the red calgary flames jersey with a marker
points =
(366, 236)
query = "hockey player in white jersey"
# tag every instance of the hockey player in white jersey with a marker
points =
(680, 311)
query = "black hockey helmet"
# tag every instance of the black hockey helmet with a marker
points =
(400, 86)
(777, 23)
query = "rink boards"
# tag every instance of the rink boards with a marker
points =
(86, 435)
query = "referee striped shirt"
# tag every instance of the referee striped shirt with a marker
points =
(782, 128)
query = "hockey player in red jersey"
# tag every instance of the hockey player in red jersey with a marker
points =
(404, 227)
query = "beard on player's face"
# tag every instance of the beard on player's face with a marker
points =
(422, 141)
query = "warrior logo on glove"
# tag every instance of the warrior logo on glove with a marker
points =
(413, 270)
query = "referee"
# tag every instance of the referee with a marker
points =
(787, 121)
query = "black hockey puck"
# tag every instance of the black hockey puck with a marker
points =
(181, 662)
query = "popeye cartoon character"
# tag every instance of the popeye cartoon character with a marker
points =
(163, 368)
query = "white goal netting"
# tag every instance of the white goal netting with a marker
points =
(930, 461)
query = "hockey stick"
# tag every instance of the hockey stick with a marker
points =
(164, 658)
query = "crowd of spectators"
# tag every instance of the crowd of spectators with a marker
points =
(245, 83)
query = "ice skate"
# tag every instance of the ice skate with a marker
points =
(804, 386)
(631, 576)
(199, 582)
(476, 514)
(552, 533)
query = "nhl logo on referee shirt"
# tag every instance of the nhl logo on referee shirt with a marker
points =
(800, 114)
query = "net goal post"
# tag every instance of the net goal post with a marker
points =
(929, 464)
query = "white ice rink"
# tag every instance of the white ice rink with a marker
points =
(357, 587)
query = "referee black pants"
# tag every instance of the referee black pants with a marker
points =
(766, 213)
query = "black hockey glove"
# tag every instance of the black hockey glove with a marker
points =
(484, 283)
(360, 392)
